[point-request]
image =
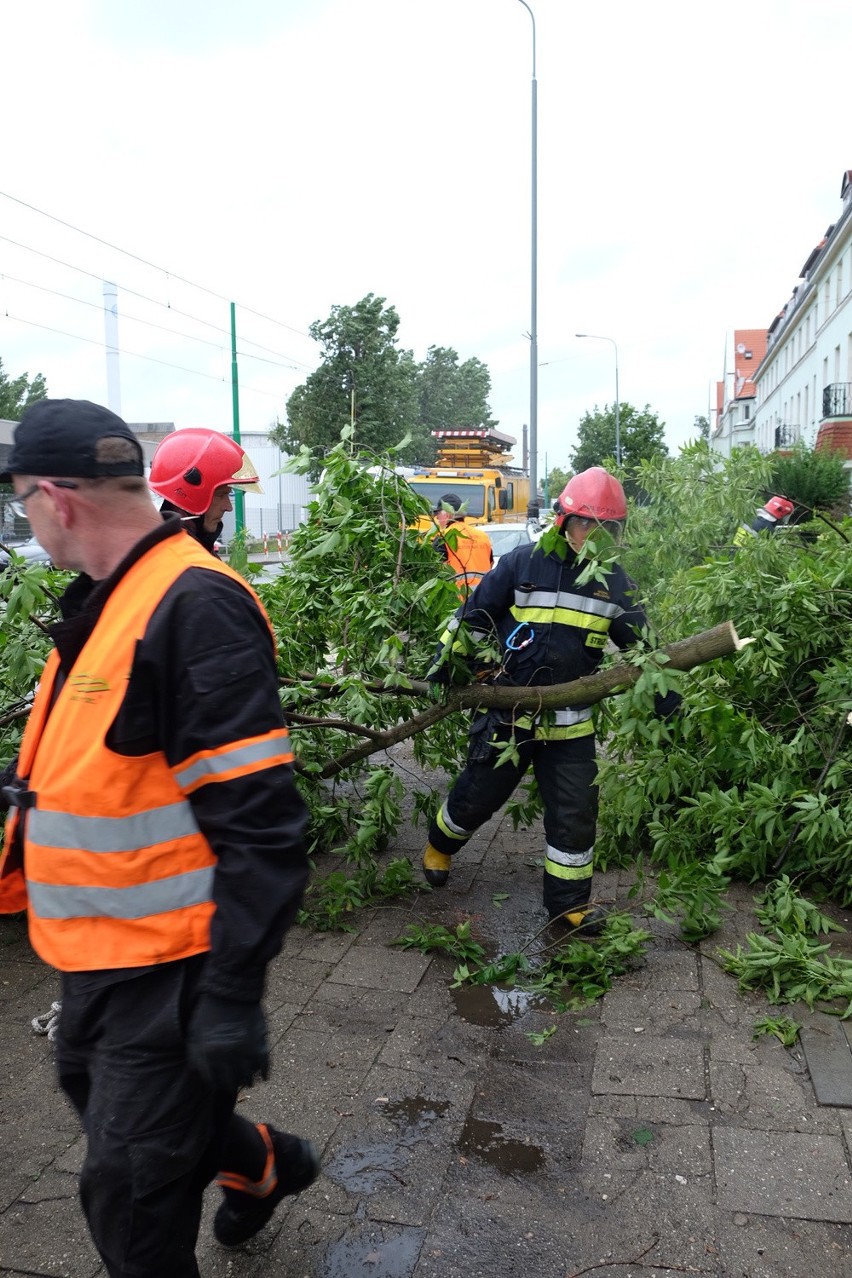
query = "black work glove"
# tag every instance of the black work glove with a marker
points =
(439, 674)
(668, 707)
(226, 1043)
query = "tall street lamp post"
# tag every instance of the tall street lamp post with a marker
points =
(532, 510)
(596, 337)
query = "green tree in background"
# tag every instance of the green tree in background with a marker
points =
(557, 478)
(365, 382)
(452, 394)
(363, 379)
(701, 426)
(18, 394)
(641, 437)
(815, 480)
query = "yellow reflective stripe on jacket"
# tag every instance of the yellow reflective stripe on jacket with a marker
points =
(564, 607)
(560, 725)
(590, 620)
(547, 600)
(235, 759)
(548, 732)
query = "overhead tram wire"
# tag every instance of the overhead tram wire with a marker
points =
(135, 319)
(93, 341)
(196, 319)
(144, 262)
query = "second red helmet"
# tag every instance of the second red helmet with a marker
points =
(189, 465)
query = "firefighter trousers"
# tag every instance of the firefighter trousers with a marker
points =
(565, 771)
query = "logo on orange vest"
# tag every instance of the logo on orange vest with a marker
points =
(85, 685)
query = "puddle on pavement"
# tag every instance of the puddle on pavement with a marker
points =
(378, 1255)
(485, 1141)
(369, 1166)
(494, 1006)
(415, 1113)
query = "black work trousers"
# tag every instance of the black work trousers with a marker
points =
(155, 1134)
(566, 773)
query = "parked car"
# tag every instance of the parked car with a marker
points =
(30, 551)
(505, 537)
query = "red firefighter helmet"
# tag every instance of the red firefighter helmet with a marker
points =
(779, 507)
(189, 465)
(593, 494)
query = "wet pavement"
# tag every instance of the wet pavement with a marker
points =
(650, 1134)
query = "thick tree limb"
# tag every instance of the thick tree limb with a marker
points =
(685, 654)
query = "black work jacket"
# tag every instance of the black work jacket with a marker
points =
(551, 629)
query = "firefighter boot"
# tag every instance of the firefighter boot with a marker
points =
(436, 866)
(585, 921)
(291, 1165)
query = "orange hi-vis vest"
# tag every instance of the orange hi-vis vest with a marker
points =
(117, 872)
(471, 557)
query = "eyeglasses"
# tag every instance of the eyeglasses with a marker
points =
(18, 506)
(612, 526)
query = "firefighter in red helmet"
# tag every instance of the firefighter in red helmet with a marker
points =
(195, 471)
(551, 626)
(769, 518)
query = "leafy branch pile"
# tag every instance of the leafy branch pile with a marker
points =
(791, 963)
(757, 770)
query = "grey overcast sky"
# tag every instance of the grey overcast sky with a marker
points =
(290, 155)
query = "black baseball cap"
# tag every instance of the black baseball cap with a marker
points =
(448, 499)
(66, 437)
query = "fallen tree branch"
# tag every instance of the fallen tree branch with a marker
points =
(684, 654)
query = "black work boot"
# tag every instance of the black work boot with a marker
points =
(291, 1165)
(583, 921)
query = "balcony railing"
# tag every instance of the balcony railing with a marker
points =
(837, 400)
(786, 436)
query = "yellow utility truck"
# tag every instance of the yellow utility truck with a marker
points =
(476, 465)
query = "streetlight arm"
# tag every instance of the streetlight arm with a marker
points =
(532, 16)
(599, 337)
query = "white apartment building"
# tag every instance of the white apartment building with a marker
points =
(736, 393)
(804, 382)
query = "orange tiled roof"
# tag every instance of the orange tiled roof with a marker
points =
(749, 350)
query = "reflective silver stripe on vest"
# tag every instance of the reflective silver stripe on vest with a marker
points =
(236, 758)
(111, 834)
(176, 893)
(565, 599)
(573, 859)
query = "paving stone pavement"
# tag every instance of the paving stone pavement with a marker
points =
(650, 1134)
